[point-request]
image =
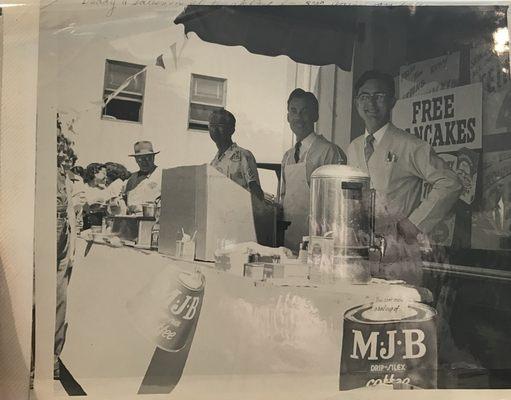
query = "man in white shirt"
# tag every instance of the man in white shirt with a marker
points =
(144, 185)
(398, 163)
(310, 152)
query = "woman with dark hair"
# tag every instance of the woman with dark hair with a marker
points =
(95, 175)
(100, 199)
(116, 174)
(95, 195)
(115, 171)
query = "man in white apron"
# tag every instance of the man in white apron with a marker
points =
(398, 163)
(310, 152)
(144, 185)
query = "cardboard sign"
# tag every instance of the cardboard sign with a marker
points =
(448, 120)
(429, 76)
(492, 70)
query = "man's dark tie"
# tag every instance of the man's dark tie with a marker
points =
(369, 147)
(297, 151)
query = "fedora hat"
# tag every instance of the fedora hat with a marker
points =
(143, 148)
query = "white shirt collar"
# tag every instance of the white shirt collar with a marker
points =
(308, 139)
(378, 134)
(307, 142)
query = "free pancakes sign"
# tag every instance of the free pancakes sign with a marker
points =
(448, 119)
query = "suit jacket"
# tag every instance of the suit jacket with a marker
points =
(398, 166)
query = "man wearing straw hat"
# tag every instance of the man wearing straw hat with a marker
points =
(144, 185)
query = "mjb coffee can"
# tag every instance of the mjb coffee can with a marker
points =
(389, 342)
(183, 307)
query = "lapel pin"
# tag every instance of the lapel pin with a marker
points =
(391, 157)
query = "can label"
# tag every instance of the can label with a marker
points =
(183, 307)
(389, 343)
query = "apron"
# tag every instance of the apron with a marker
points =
(296, 203)
(146, 191)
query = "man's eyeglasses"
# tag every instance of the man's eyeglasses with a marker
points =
(367, 97)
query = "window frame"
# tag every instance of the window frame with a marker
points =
(105, 89)
(193, 78)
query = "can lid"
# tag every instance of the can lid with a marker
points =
(339, 171)
(191, 281)
(364, 314)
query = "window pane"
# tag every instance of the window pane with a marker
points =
(208, 90)
(125, 110)
(116, 75)
(127, 104)
(200, 113)
(123, 95)
(198, 126)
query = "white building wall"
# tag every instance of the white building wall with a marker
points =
(257, 91)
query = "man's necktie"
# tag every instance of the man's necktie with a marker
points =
(369, 147)
(297, 151)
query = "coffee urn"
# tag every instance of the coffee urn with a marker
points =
(341, 225)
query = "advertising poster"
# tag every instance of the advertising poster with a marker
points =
(429, 76)
(466, 168)
(448, 120)
(491, 219)
(442, 233)
(492, 70)
(465, 163)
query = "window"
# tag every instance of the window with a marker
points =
(206, 95)
(124, 91)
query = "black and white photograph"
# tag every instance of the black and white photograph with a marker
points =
(262, 201)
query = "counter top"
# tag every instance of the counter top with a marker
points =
(245, 329)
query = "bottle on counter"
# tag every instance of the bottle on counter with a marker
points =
(303, 254)
(155, 235)
(155, 231)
